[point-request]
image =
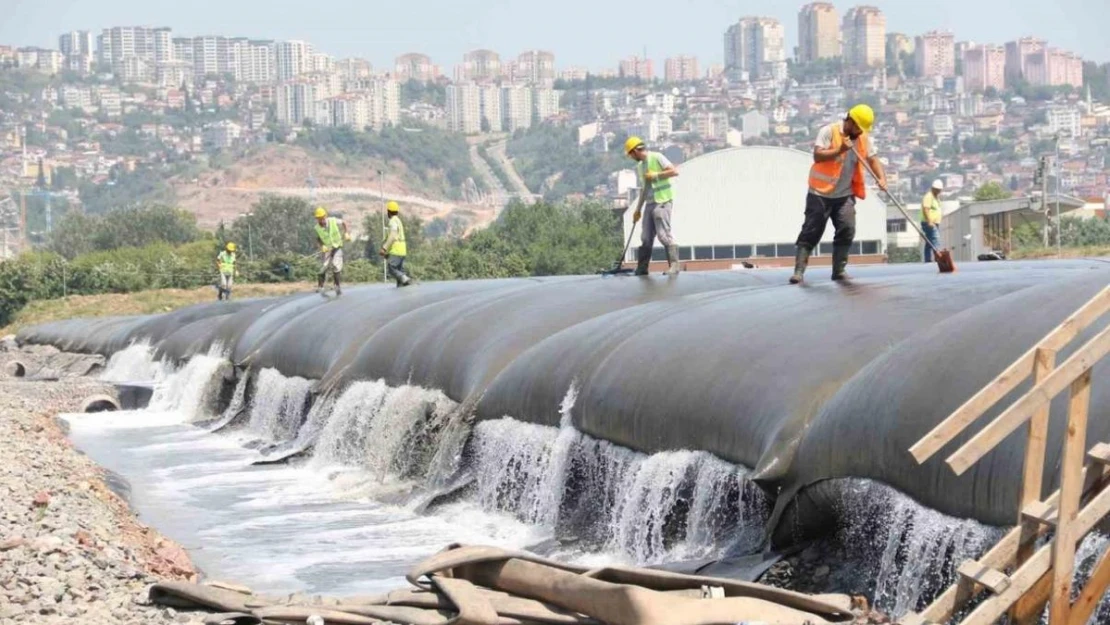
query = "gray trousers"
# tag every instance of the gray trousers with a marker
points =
(396, 266)
(656, 224)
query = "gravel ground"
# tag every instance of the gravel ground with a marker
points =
(71, 551)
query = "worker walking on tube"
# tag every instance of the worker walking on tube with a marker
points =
(331, 232)
(930, 218)
(656, 199)
(394, 250)
(836, 181)
(225, 265)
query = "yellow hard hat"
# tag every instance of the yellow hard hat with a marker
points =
(392, 207)
(632, 143)
(863, 115)
(321, 212)
(230, 247)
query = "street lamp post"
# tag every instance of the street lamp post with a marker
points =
(1059, 224)
(381, 192)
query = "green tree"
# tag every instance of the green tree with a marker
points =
(991, 191)
(135, 226)
(276, 225)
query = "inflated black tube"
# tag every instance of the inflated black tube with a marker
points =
(460, 346)
(903, 394)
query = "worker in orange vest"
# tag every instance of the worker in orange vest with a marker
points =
(836, 180)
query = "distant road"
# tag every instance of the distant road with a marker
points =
(350, 191)
(497, 152)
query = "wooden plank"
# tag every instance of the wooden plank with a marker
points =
(1002, 555)
(1100, 453)
(993, 434)
(1068, 534)
(1040, 512)
(992, 580)
(1029, 609)
(1088, 600)
(1037, 437)
(1010, 378)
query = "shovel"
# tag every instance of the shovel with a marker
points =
(943, 257)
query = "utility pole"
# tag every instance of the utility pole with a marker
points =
(1042, 174)
(381, 191)
(1059, 224)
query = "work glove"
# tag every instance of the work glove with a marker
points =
(383, 253)
(636, 216)
(324, 249)
(650, 176)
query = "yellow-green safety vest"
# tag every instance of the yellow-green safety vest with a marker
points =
(226, 261)
(398, 248)
(661, 189)
(930, 209)
(329, 234)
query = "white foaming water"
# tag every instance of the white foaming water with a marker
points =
(1086, 557)
(278, 405)
(913, 550)
(637, 508)
(134, 364)
(189, 391)
(381, 430)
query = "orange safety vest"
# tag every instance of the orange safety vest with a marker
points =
(824, 176)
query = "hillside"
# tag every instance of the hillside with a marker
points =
(230, 186)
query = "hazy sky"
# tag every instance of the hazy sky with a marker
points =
(580, 32)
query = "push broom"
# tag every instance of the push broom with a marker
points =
(943, 257)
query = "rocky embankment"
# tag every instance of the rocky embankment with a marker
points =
(71, 550)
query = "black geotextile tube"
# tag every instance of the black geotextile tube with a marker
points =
(802, 384)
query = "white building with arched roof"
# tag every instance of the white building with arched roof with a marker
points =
(747, 205)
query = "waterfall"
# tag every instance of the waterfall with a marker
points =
(193, 389)
(909, 552)
(388, 432)
(650, 509)
(135, 363)
(278, 405)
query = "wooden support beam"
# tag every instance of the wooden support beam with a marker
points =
(1010, 378)
(1068, 533)
(1040, 512)
(1002, 555)
(1100, 453)
(1088, 600)
(1037, 435)
(1022, 410)
(992, 580)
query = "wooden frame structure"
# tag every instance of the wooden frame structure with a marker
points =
(1036, 575)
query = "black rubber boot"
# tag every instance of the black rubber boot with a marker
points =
(338, 290)
(840, 262)
(643, 257)
(801, 261)
(672, 260)
(320, 282)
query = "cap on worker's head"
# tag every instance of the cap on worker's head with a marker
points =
(392, 207)
(632, 143)
(321, 212)
(230, 246)
(863, 115)
(938, 185)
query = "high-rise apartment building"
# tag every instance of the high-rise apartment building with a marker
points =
(292, 58)
(985, 67)
(1053, 67)
(935, 55)
(755, 46)
(183, 49)
(864, 29)
(415, 66)
(491, 108)
(574, 73)
(1017, 54)
(636, 67)
(898, 44)
(681, 69)
(354, 69)
(464, 108)
(818, 32)
(481, 65)
(76, 42)
(296, 101)
(535, 67)
(322, 62)
(545, 103)
(516, 107)
(115, 45)
(207, 54)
